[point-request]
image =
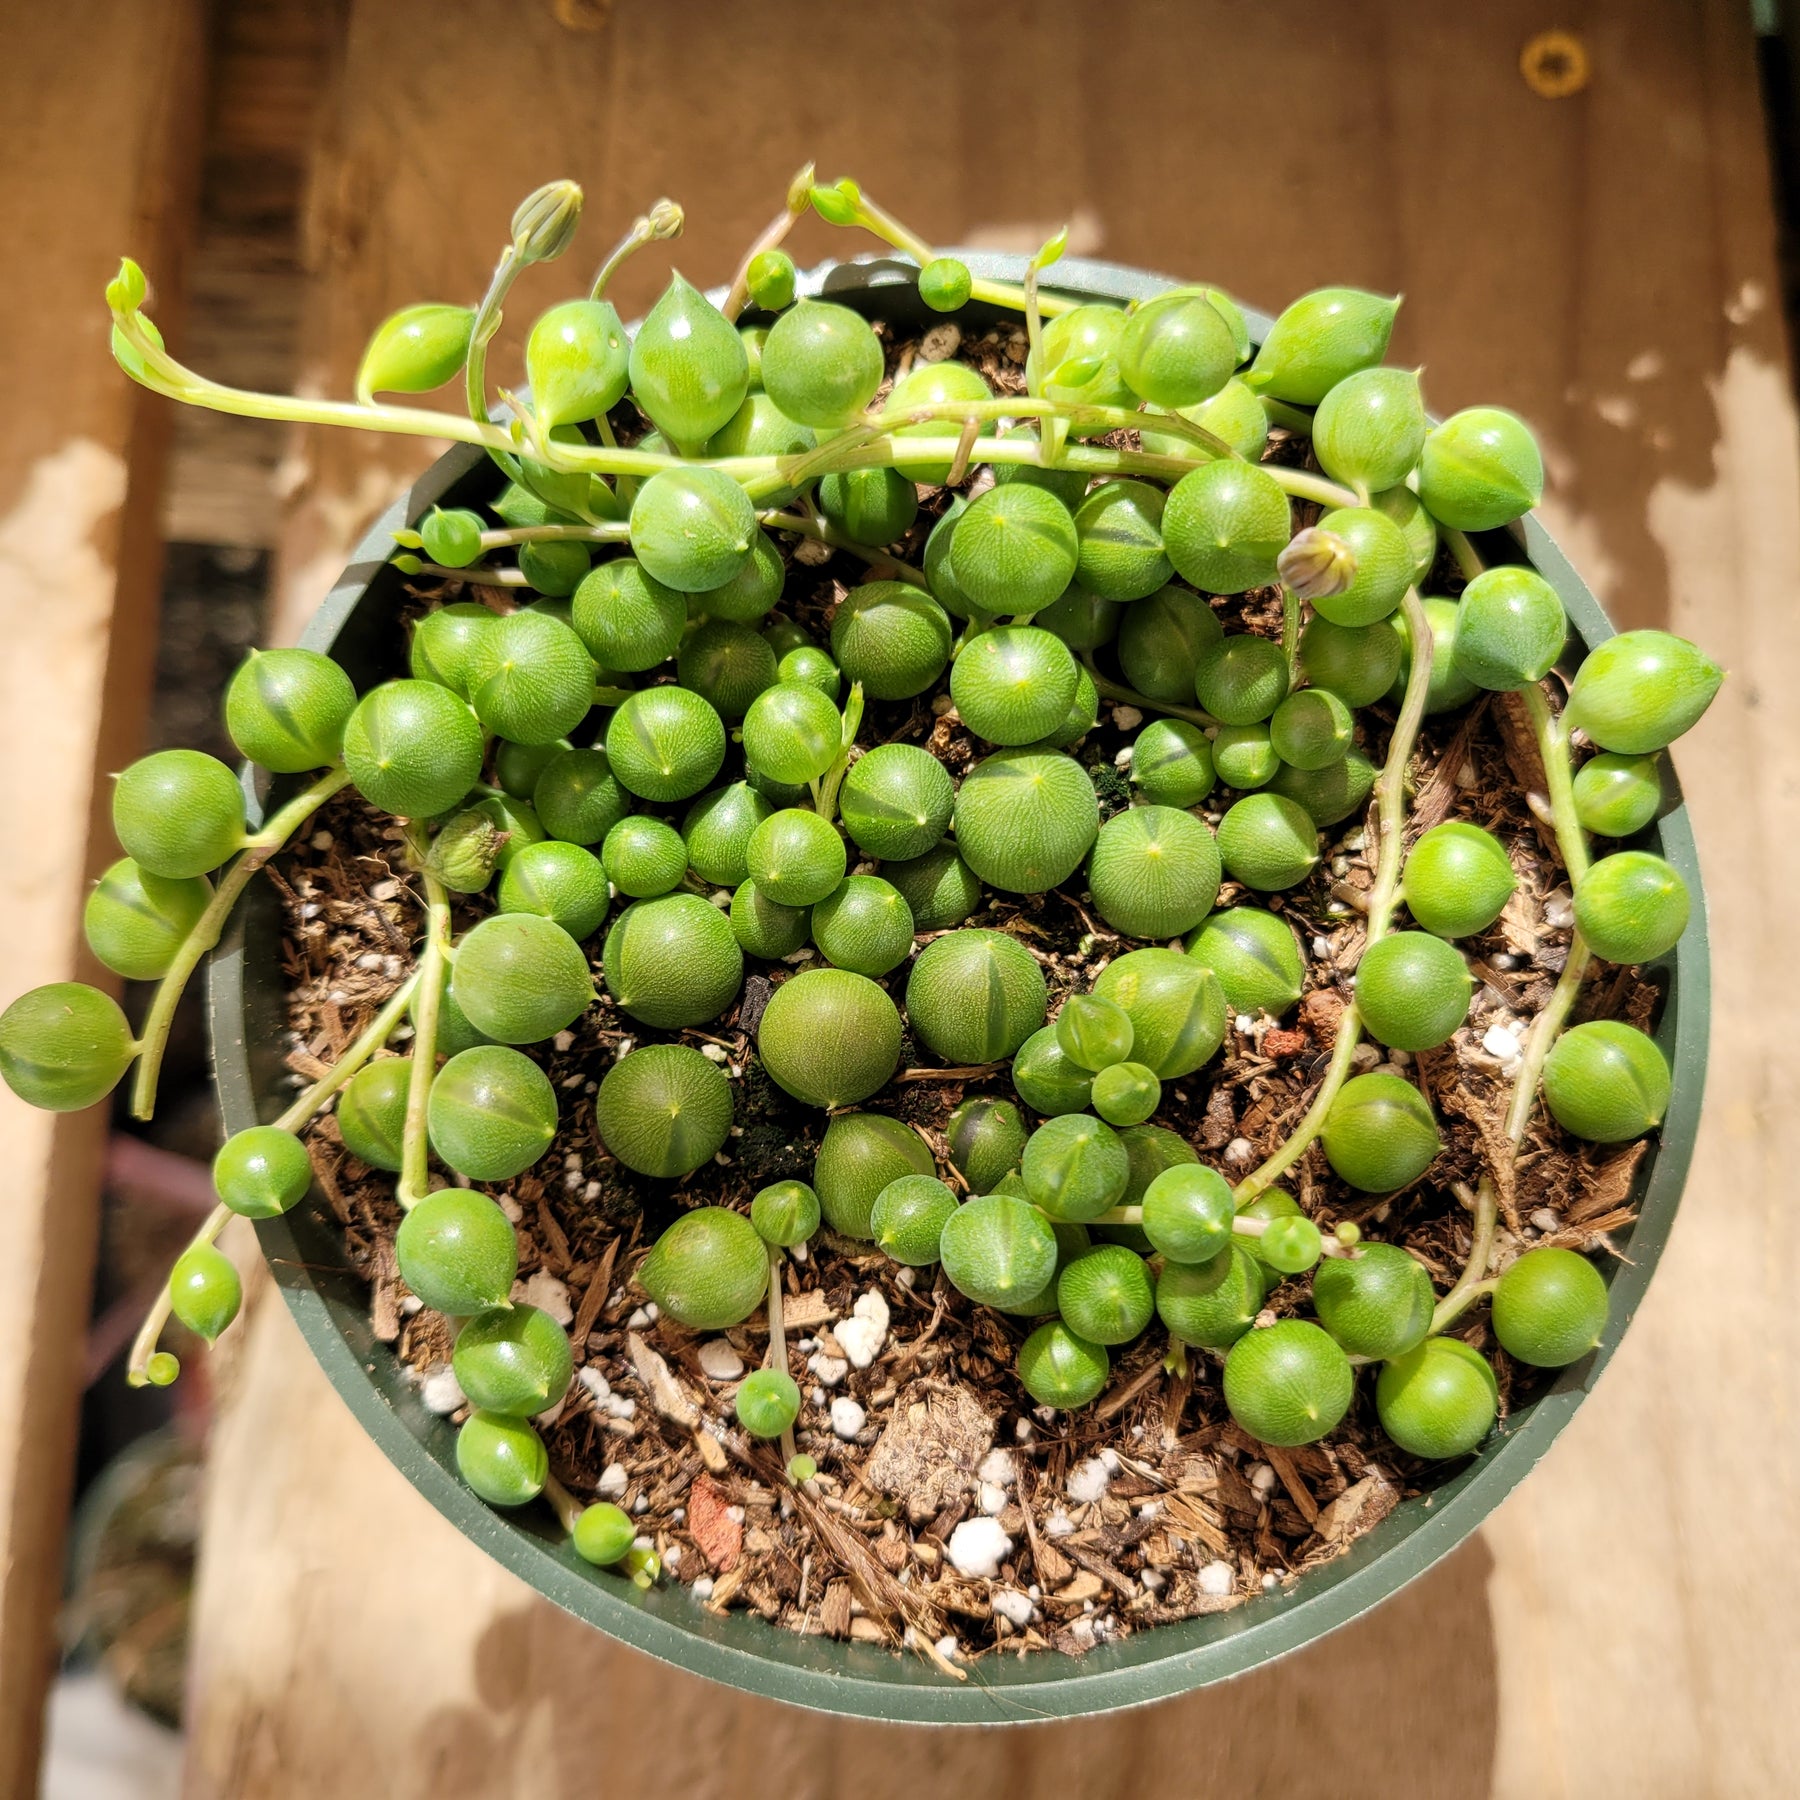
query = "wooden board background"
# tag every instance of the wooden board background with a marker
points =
(97, 157)
(1624, 1625)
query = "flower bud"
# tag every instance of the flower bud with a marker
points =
(126, 291)
(1316, 564)
(545, 222)
(466, 852)
(839, 204)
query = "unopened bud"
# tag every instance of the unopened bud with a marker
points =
(838, 204)
(125, 292)
(800, 189)
(1316, 564)
(546, 221)
(665, 220)
(464, 854)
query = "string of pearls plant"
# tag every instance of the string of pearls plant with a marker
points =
(563, 744)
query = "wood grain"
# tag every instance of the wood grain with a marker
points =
(97, 160)
(1604, 264)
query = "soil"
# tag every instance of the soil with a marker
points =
(1147, 1507)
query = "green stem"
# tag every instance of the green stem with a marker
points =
(374, 1035)
(778, 1340)
(1108, 689)
(1468, 559)
(663, 221)
(487, 322)
(481, 574)
(1553, 750)
(827, 533)
(163, 375)
(1485, 1205)
(1390, 796)
(143, 1346)
(415, 1146)
(1457, 1302)
(613, 531)
(825, 801)
(1290, 634)
(890, 230)
(153, 1040)
(1290, 418)
(770, 238)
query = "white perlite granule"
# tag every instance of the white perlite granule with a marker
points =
(978, 1547)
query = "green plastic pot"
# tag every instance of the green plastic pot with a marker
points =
(356, 624)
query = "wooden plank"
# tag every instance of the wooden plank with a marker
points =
(269, 61)
(97, 162)
(1605, 265)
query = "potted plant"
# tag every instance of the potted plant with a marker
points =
(941, 907)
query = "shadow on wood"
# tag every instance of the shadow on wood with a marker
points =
(338, 1680)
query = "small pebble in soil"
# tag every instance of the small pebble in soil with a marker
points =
(639, 1320)
(549, 1295)
(613, 1482)
(1088, 1482)
(1127, 718)
(1543, 1219)
(947, 1647)
(1217, 1579)
(720, 1361)
(1014, 1607)
(830, 1370)
(1269, 1582)
(702, 1589)
(1501, 1040)
(1123, 759)
(441, 1391)
(1153, 1580)
(412, 1306)
(978, 1547)
(847, 1417)
(1240, 1152)
(1022, 1432)
(1559, 909)
(992, 1499)
(1262, 1478)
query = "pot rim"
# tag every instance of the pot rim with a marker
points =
(330, 1304)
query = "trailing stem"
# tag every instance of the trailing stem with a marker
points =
(825, 789)
(1108, 689)
(827, 533)
(799, 198)
(258, 848)
(373, 1036)
(778, 1341)
(152, 367)
(1553, 750)
(433, 964)
(1390, 798)
(661, 223)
